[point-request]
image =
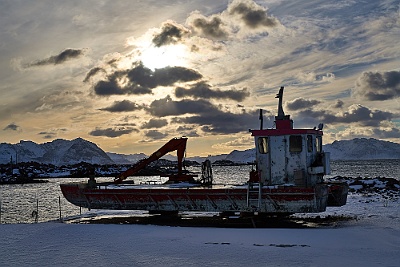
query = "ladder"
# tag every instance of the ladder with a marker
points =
(254, 191)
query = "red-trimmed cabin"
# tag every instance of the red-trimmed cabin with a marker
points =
(285, 155)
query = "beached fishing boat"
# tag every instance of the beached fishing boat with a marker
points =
(288, 178)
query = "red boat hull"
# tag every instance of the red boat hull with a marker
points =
(278, 199)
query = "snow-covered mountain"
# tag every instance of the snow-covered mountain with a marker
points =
(65, 152)
(355, 149)
(246, 156)
(57, 152)
(126, 159)
(363, 149)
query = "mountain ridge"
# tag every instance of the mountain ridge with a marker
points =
(68, 152)
(57, 152)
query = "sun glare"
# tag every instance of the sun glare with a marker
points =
(160, 57)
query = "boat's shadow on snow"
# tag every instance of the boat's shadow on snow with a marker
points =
(223, 222)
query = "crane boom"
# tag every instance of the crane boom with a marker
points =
(178, 144)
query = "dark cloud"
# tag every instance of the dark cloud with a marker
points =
(365, 116)
(126, 124)
(93, 72)
(129, 118)
(156, 135)
(65, 55)
(376, 86)
(357, 114)
(112, 87)
(48, 135)
(301, 103)
(339, 104)
(122, 106)
(170, 75)
(203, 90)
(188, 131)
(171, 33)
(140, 80)
(384, 134)
(203, 113)
(253, 15)
(155, 123)
(219, 122)
(110, 132)
(12, 127)
(210, 27)
(168, 107)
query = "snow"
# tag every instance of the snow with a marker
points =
(372, 239)
(356, 187)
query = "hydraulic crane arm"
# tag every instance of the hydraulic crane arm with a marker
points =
(178, 144)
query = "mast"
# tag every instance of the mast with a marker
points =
(282, 121)
(281, 113)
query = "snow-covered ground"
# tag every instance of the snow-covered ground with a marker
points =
(372, 239)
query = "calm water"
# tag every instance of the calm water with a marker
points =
(19, 202)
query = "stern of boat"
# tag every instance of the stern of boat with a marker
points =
(73, 193)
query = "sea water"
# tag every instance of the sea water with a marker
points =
(41, 202)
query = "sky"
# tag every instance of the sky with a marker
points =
(130, 75)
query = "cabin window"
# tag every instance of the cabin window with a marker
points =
(310, 146)
(263, 145)
(295, 143)
(318, 143)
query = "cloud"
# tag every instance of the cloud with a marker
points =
(64, 56)
(338, 104)
(368, 132)
(212, 27)
(168, 107)
(238, 143)
(241, 18)
(219, 122)
(301, 103)
(203, 90)
(356, 114)
(122, 106)
(203, 113)
(112, 87)
(156, 135)
(51, 134)
(170, 75)
(111, 132)
(363, 115)
(92, 73)
(155, 123)
(171, 33)
(312, 77)
(189, 131)
(48, 135)
(11, 127)
(376, 86)
(140, 80)
(386, 133)
(253, 15)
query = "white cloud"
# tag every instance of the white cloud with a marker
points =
(316, 50)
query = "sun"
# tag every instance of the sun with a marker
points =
(160, 57)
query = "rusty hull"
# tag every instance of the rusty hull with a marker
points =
(274, 199)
